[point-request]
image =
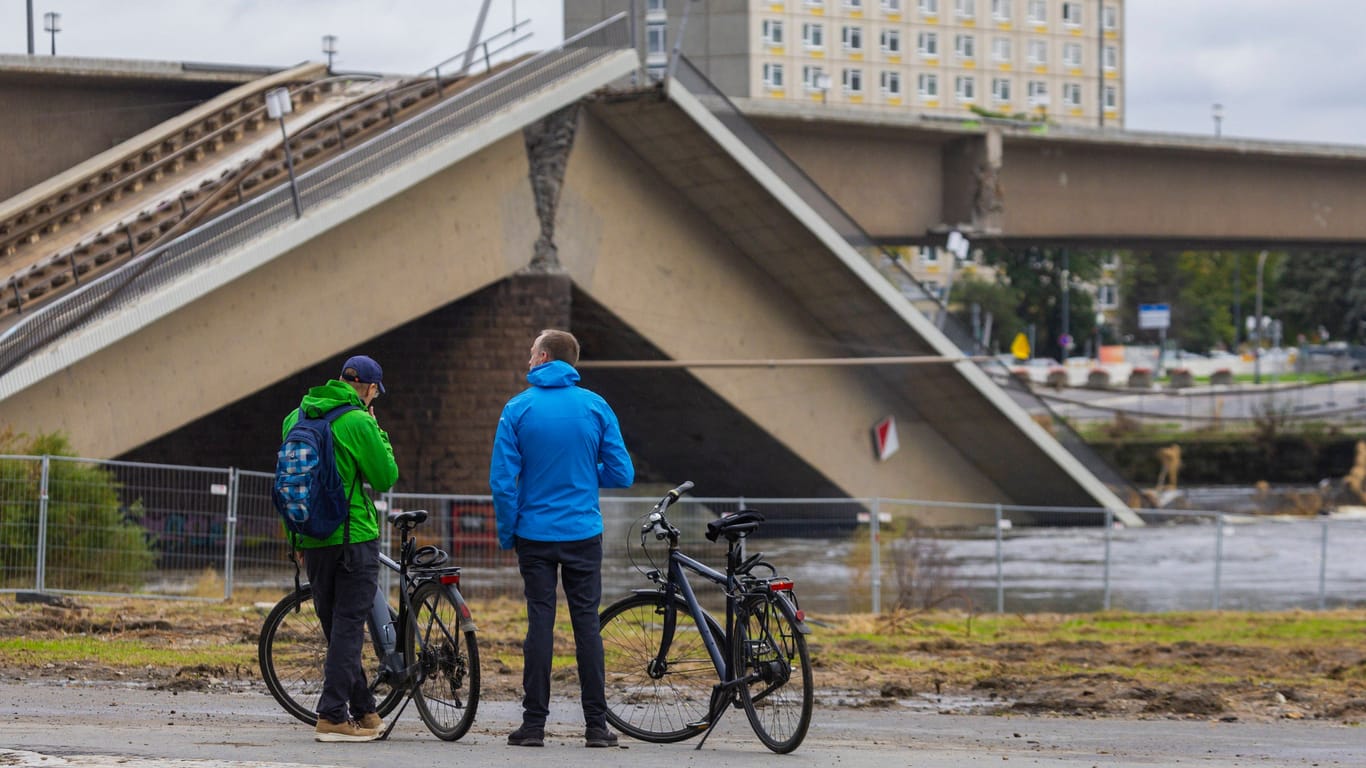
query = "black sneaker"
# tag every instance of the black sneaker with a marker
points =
(599, 737)
(526, 736)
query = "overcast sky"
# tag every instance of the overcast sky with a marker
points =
(1283, 69)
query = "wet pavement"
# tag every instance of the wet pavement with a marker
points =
(121, 727)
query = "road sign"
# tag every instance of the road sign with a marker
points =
(1065, 341)
(1020, 347)
(1154, 316)
(884, 438)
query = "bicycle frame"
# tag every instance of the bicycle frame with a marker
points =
(384, 634)
(676, 583)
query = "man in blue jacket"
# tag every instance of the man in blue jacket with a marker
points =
(556, 445)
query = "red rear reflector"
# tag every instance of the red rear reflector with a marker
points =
(450, 578)
(801, 615)
(779, 586)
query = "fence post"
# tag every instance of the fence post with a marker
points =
(230, 542)
(1323, 564)
(41, 564)
(1109, 533)
(1000, 575)
(1218, 557)
(876, 561)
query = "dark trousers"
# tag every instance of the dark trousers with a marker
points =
(344, 579)
(579, 563)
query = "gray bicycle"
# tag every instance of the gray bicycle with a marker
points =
(673, 670)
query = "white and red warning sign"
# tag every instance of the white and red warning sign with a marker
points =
(884, 438)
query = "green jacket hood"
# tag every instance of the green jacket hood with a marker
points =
(320, 400)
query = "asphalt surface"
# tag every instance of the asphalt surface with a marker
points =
(111, 727)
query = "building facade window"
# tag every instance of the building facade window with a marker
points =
(1111, 98)
(773, 32)
(1107, 296)
(1001, 9)
(656, 41)
(965, 88)
(1109, 18)
(654, 5)
(1000, 90)
(891, 83)
(813, 78)
(965, 9)
(927, 85)
(928, 7)
(891, 6)
(856, 5)
(773, 75)
(965, 47)
(1001, 50)
(929, 256)
(814, 3)
(891, 41)
(852, 80)
(813, 36)
(1038, 52)
(1071, 14)
(1071, 54)
(1037, 11)
(1111, 60)
(852, 37)
(1037, 93)
(1071, 94)
(927, 44)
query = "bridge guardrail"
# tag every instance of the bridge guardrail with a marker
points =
(157, 268)
(696, 83)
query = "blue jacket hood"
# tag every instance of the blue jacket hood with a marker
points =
(556, 373)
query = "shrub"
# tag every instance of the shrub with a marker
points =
(1180, 378)
(1057, 378)
(1221, 377)
(1098, 378)
(1141, 378)
(93, 539)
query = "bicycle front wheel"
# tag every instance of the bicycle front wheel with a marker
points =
(649, 698)
(448, 661)
(770, 654)
(292, 651)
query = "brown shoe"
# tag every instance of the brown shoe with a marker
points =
(345, 731)
(371, 720)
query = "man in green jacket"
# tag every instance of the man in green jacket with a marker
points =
(344, 568)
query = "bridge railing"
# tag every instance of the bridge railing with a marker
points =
(154, 270)
(890, 266)
(83, 526)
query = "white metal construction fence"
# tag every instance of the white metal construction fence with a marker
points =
(70, 525)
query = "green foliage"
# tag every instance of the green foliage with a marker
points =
(1323, 289)
(93, 539)
(1033, 277)
(995, 299)
(1202, 289)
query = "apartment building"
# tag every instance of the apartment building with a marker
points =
(1055, 60)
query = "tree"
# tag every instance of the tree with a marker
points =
(92, 538)
(1325, 290)
(992, 298)
(1034, 276)
(1199, 287)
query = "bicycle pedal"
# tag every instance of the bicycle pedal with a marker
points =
(698, 724)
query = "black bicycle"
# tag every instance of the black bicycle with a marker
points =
(425, 650)
(673, 670)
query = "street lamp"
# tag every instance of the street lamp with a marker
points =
(329, 48)
(1218, 112)
(1257, 350)
(279, 104)
(52, 24)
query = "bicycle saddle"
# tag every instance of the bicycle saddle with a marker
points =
(734, 525)
(413, 516)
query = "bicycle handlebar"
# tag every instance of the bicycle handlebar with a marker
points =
(656, 517)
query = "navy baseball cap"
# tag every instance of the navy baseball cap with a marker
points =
(367, 371)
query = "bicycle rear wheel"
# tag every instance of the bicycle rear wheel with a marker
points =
(770, 650)
(650, 701)
(292, 652)
(449, 693)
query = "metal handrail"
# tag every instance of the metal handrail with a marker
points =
(692, 79)
(337, 176)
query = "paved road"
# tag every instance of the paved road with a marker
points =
(106, 727)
